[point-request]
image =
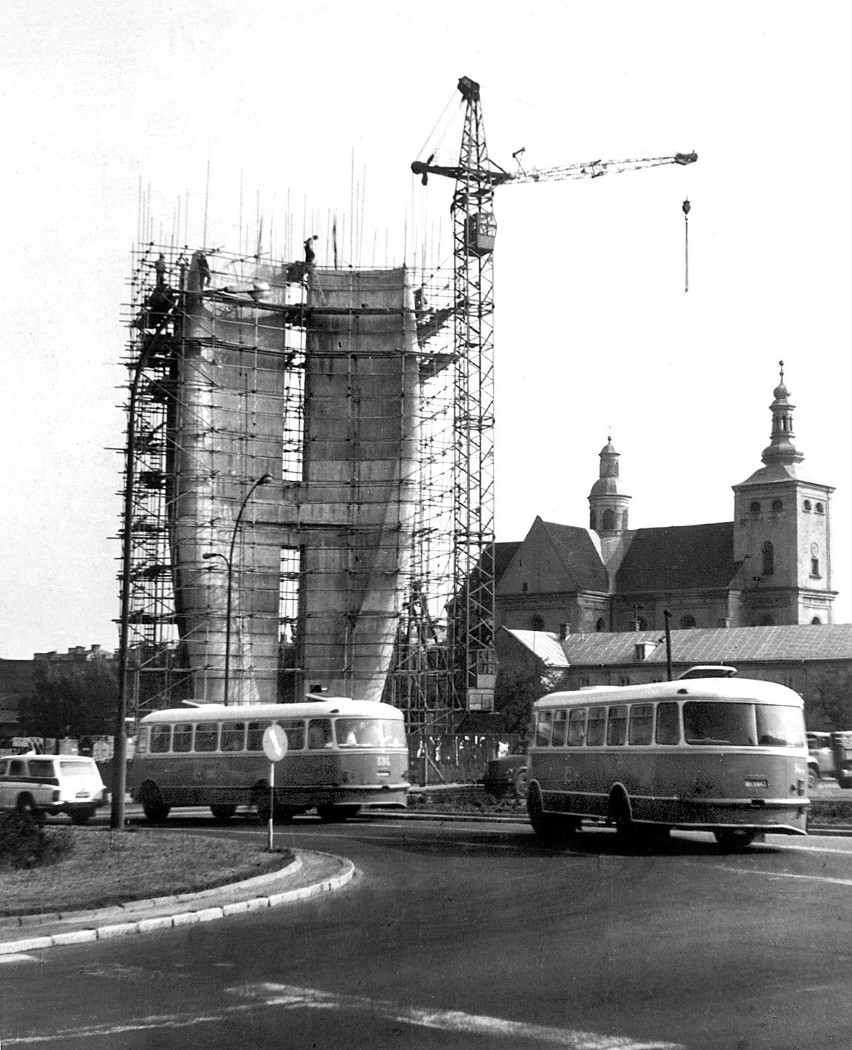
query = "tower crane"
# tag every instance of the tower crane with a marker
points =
(471, 624)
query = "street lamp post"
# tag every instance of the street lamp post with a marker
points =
(229, 562)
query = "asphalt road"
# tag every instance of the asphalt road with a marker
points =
(475, 935)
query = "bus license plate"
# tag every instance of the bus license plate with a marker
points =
(383, 762)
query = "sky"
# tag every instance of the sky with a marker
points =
(222, 121)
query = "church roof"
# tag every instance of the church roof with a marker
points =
(707, 645)
(577, 552)
(678, 557)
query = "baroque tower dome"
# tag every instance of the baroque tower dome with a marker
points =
(607, 505)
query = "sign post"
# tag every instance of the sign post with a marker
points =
(275, 748)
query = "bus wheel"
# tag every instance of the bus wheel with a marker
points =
(621, 816)
(260, 801)
(813, 778)
(336, 814)
(223, 811)
(545, 825)
(153, 806)
(734, 838)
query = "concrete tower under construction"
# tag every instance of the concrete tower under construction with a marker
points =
(290, 440)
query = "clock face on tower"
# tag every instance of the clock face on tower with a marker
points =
(814, 550)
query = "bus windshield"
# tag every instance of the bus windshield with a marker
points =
(370, 732)
(710, 722)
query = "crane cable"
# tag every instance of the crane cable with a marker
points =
(686, 206)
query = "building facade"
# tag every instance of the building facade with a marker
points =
(769, 566)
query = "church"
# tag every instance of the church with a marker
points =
(769, 566)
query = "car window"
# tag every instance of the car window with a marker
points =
(17, 768)
(42, 768)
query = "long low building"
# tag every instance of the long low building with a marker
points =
(814, 660)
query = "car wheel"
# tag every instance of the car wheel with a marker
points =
(81, 816)
(521, 787)
(813, 778)
(27, 807)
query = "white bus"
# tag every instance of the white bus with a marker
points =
(341, 755)
(719, 754)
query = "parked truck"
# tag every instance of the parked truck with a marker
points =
(830, 755)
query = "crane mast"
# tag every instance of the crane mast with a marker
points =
(471, 623)
(471, 627)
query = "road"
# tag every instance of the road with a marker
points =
(469, 935)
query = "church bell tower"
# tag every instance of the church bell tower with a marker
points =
(782, 533)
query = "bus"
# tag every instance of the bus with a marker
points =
(341, 755)
(719, 754)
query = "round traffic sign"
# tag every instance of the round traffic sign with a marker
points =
(274, 742)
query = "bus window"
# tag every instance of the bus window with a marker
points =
(319, 734)
(359, 732)
(708, 722)
(641, 723)
(182, 738)
(780, 726)
(206, 736)
(233, 736)
(559, 723)
(668, 724)
(544, 728)
(616, 730)
(254, 741)
(577, 727)
(295, 731)
(596, 731)
(161, 738)
(142, 740)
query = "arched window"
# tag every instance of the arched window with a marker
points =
(768, 552)
(755, 507)
(820, 509)
(816, 619)
(777, 504)
(641, 623)
(806, 506)
(609, 520)
(767, 621)
(599, 624)
(593, 520)
(624, 520)
(536, 623)
(687, 621)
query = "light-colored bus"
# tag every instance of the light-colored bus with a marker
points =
(341, 755)
(721, 754)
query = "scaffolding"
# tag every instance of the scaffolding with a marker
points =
(338, 573)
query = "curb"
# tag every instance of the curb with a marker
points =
(101, 930)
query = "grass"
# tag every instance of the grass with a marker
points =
(100, 867)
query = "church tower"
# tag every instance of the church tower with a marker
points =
(782, 533)
(608, 506)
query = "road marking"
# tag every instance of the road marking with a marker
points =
(788, 875)
(268, 995)
(290, 996)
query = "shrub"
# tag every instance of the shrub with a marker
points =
(24, 843)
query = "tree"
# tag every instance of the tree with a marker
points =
(71, 698)
(831, 700)
(517, 687)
